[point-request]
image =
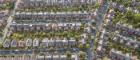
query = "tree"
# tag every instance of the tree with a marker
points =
(52, 51)
(1, 46)
(97, 5)
(127, 4)
(130, 16)
(133, 19)
(117, 17)
(42, 54)
(68, 53)
(138, 7)
(137, 18)
(87, 46)
(80, 46)
(82, 55)
(113, 0)
(136, 21)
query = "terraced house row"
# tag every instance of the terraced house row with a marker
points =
(41, 3)
(42, 30)
(52, 15)
(38, 57)
(45, 27)
(37, 42)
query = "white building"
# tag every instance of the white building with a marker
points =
(29, 42)
(6, 43)
(57, 57)
(36, 42)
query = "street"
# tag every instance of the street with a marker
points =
(101, 14)
(9, 20)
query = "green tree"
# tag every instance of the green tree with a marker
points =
(87, 46)
(11, 5)
(80, 46)
(1, 46)
(117, 17)
(137, 18)
(130, 16)
(136, 21)
(97, 5)
(82, 55)
(127, 4)
(69, 55)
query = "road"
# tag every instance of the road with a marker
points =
(9, 20)
(101, 15)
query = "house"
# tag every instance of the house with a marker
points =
(21, 44)
(100, 42)
(58, 43)
(65, 42)
(83, 41)
(72, 42)
(14, 43)
(60, 25)
(36, 42)
(44, 42)
(19, 27)
(87, 29)
(12, 27)
(26, 27)
(128, 42)
(29, 42)
(56, 57)
(84, 35)
(6, 43)
(51, 42)
(118, 55)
